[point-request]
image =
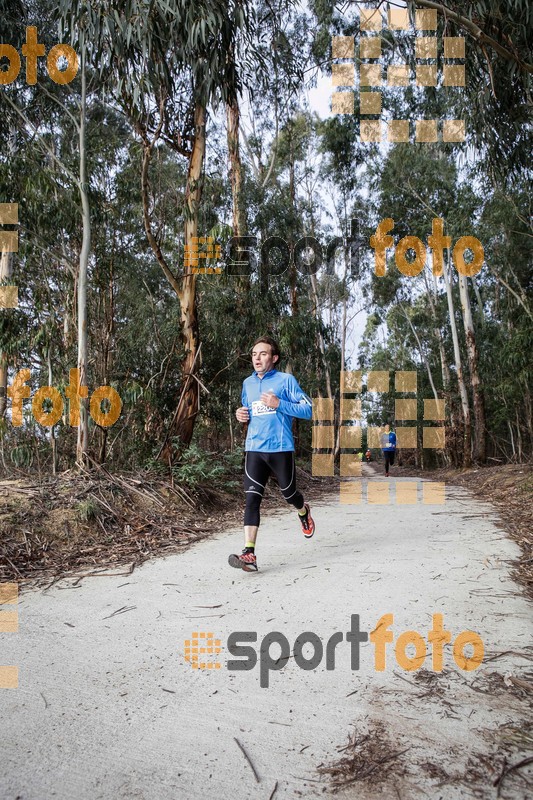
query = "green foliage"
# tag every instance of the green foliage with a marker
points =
(87, 510)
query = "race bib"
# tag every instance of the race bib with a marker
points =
(259, 408)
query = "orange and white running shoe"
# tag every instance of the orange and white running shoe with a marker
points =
(246, 561)
(308, 523)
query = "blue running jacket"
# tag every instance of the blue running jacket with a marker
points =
(270, 429)
(388, 442)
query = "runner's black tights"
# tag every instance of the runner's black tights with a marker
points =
(257, 469)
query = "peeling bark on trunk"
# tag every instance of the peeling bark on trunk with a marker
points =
(480, 441)
(233, 117)
(6, 271)
(183, 425)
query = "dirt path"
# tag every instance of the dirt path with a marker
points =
(108, 707)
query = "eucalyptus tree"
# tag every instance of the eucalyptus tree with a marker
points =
(165, 64)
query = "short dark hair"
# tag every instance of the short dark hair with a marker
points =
(273, 344)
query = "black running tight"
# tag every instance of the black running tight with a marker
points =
(257, 469)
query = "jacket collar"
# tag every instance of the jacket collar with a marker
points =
(266, 375)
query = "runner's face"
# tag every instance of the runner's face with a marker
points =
(262, 358)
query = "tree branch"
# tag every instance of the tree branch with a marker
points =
(48, 149)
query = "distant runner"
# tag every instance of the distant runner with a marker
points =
(270, 399)
(388, 446)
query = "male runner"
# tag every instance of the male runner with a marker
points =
(388, 446)
(270, 399)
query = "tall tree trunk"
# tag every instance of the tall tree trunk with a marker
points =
(53, 440)
(238, 215)
(184, 421)
(83, 428)
(182, 424)
(6, 271)
(467, 447)
(480, 440)
(421, 351)
(343, 347)
(321, 344)
(316, 311)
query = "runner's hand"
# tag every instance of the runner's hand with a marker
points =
(270, 399)
(242, 414)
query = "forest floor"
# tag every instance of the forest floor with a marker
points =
(108, 705)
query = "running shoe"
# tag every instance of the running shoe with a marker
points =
(308, 523)
(246, 561)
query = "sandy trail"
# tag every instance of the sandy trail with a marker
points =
(108, 707)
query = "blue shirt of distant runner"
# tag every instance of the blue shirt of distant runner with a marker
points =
(270, 429)
(388, 442)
